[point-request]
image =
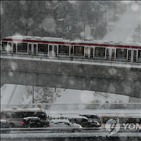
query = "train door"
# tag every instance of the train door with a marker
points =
(34, 50)
(55, 50)
(132, 55)
(110, 53)
(135, 55)
(14, 48)
(91, 52)
(71, 52)
(10, 47)
(113, 54)
(51, 47)
(129, 55)
(29, 49)
(87, 52)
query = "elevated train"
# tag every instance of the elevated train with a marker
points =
(58, 47)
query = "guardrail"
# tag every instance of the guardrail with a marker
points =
(76, 106)
(45, 133)
(65, 135)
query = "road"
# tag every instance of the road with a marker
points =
(88, 135)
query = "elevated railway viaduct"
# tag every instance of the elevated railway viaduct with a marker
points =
(105, 77)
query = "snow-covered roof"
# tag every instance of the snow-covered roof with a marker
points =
(60, 120)
(36, 38)
(3, 120)
(67, 116)
(122, 115)
(77, 117)
(107, 42)
(26, 118)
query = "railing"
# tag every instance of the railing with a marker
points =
(68, 58)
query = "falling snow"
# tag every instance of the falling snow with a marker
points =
(49, 24)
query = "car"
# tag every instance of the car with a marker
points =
(4, 126)
(84, 121)
(34, 122)
(65, 125)
(95, 119)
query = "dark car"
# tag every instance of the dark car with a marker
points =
(93, 118)
(84, 121)
(4, 126)
(34, 122)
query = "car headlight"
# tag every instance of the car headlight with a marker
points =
(98, 123)
(80, 126)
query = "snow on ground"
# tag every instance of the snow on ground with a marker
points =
(6, 93)
(14, 94)
(77, 99)
(77, 96)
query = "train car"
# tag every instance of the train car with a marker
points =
(77, 49)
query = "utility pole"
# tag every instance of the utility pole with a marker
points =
(84, 30)
(33, 95)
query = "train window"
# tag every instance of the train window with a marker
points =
(78, 50)
(43, 48)
(22, 47)
(63, 50)
(4, 45)
(139, 54)
(121, 53)
(99, 52)
(14, 47)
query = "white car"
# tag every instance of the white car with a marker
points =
(64, 125)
